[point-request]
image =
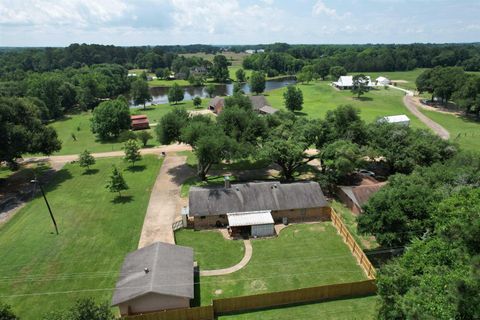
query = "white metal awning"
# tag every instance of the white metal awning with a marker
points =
(250, 218)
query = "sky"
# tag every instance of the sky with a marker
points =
(223, 22)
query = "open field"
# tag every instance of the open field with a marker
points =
(42, 271)
(233, 69)
(212, 250)
(346, 309)
(79, 125)
(303, 255)
(464, 131)
(319, 97)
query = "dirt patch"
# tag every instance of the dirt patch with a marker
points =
(218, 292)
(399, 81)
(258, 285)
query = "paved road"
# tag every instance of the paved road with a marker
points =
(245, 260)
(164, 205)
(412, 105)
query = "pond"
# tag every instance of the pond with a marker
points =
(160, 94)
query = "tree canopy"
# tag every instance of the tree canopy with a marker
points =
(257, 82)
(175, 94)
(140, 92)
(22, 131)
(110, 118)
(293, 98)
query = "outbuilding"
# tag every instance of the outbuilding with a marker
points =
(139, 122)
(155, 278)
(398, 119)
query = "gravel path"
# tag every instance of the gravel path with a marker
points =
(412, 105)
(245, 260)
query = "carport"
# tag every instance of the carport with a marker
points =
(252, 223)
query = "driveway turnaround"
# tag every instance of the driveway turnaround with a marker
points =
(220, 272)
(164, 205)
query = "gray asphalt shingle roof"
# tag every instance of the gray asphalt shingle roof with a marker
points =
(170, 272)
(255, 196)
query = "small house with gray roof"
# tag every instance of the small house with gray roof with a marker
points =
(270, 201)
(154, 278)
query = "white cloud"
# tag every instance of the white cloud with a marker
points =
(66, 12)
(320, 8)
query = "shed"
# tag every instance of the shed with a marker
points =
(255, 223)
(398, 119)
(139, 122)
(354, 197)
(154, 278)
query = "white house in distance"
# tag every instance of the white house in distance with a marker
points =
(346, 82)
(398, 119)
(382, 81)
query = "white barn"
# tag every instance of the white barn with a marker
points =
(398, 119)
(382, 81)
(346, 82)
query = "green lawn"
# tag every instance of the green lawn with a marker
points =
(233, 69)
(348, 309)
(303, 255)
(462, 130)
(212, 250)
(319, 97)
(42, 271)
(167, 83)
(79, 125)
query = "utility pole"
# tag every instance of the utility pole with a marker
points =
(46, 201)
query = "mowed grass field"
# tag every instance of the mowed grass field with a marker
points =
(234, 58)
(211, 249)
(41, 271)
(347, 309)
(464, 131)
(303, 255)
(79, 125)
(319, 97)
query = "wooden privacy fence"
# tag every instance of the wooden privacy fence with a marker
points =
(353, 245)
(297, 296)
(177, 225)
(198, 313)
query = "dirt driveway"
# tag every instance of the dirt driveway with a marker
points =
(412, 104)
(165, 203)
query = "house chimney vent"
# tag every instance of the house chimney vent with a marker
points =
(146, 270)
(227, 181)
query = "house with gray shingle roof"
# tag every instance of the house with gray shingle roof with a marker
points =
(154, 278)
(298, 201)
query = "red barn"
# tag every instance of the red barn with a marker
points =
(140, 122)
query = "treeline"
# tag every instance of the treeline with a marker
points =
(435, 213)
(452, 83)
(57, 92)
(283, 58)
(78, 55)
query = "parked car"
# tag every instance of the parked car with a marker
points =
(366, 172)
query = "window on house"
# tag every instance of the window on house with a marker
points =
(202, 217)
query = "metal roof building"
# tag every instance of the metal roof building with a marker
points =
(398, 119)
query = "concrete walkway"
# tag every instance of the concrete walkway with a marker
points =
(164, 205)
(412, 105)
(245, 260)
